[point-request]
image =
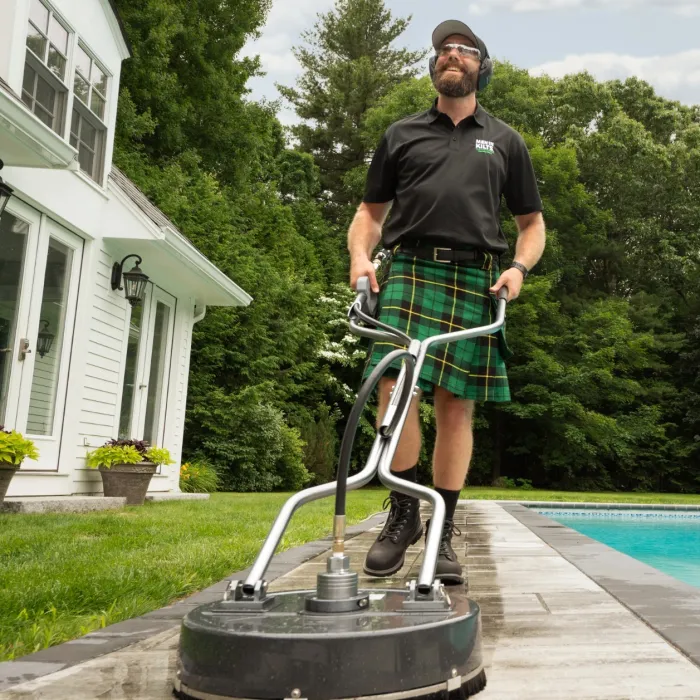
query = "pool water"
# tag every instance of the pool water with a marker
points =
(668, 542)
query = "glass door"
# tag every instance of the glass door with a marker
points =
(44, 379)
(19, 235)
(145, 386)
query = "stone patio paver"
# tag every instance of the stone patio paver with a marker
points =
(549, 630)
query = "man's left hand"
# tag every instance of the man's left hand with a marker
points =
(512, 278)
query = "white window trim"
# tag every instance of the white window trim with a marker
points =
(71, 42)
(101, 124)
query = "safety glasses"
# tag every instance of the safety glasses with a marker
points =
(462, 50)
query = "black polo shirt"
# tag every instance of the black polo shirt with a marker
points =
(446, 181)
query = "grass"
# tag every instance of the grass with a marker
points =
(64, 575)
(493, 494)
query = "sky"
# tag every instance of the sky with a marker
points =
(655, 40)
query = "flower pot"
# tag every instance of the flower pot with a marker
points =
(130, 480)
(7, 471)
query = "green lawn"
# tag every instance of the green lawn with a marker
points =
(64, 575)
(491, 494)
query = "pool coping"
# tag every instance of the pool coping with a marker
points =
(593, 505)
(669, 606)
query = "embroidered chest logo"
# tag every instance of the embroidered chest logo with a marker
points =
(484, 146)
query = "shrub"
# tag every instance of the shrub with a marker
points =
(158, 455)
(249, 443)
(320, 439)
(126, 452)
(197, 477)
(14, 447)
(109, 455)
(505, 482)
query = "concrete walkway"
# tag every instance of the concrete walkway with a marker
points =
(549, 630)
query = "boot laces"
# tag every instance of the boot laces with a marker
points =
(448, 529)
(401, 510)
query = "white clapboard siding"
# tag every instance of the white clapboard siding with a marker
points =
(104, 336)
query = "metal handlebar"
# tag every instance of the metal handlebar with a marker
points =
(364, 306)
(386, 441)
(397, 412)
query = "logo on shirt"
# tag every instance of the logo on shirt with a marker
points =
(484, 146)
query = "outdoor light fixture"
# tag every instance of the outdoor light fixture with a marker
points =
(134, 281)
(5, 193)
(44, 340)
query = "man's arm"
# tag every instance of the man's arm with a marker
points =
(363, 236)
(531, 239)
(528, 251)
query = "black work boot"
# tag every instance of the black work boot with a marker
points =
(403, 528)
(448, 569)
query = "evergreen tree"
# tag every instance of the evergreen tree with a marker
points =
(348, 65)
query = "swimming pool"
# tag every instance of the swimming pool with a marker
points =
(667, 540)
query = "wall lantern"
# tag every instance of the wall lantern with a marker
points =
(44, 340)
(5, 193)
(134, 280)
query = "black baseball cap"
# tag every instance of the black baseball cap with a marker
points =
(454, 26)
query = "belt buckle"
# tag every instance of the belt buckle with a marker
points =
(435, 255)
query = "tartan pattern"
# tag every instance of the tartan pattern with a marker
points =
(424, 298)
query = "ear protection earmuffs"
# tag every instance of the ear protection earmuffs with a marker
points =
(485, 70)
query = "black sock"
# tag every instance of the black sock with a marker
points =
(451, 498)
(408, 474)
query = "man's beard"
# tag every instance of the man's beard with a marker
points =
(449, 86)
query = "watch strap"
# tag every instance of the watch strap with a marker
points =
(521, 267)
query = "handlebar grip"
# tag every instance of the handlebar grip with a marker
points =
(366, 297)
(503, 293)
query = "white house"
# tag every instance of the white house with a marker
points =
(112, 369)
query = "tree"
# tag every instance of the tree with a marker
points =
(600, 325)
(348, 65)
(218, 166)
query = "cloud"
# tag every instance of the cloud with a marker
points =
(675, 76)
(682, 7)
(282, 31)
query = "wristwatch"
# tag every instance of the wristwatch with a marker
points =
(521, 267)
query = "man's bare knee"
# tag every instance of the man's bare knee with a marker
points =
(386, 386)
(450, 409)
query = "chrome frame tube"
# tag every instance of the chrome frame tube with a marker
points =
(379, 460)
(426, 575)
(306, 496)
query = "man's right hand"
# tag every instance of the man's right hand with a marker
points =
(363, 267)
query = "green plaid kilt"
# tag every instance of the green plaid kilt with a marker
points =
(424, 298)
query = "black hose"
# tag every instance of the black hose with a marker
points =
(363, 396)
(400, 336)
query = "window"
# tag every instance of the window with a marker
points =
(44, 88)
(89, 141)
(87, 132)
(90, 83)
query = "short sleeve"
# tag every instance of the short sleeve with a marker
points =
(521, 191)
(380, 185)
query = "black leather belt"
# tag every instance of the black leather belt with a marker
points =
(444, 255)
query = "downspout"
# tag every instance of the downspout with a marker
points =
(196, 318)
(199, 315)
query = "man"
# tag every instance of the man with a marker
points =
(442, 172)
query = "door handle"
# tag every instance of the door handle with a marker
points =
(23, 349)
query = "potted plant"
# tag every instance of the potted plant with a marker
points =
(126, 467)
(14, 447)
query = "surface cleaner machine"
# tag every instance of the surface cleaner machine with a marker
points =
(340, 641)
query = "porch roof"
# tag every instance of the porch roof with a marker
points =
(211, 285)
(26, 141)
